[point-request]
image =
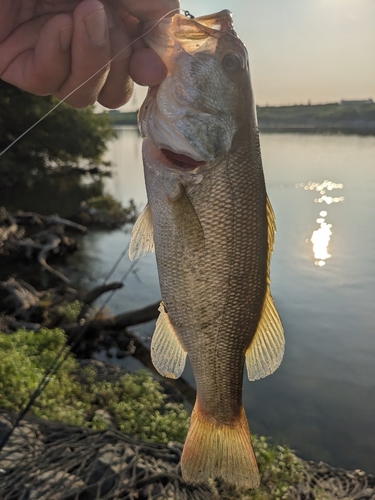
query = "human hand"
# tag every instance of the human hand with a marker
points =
(52, 47)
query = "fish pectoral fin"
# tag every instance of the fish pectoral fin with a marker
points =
(188, 227)
(142, 240)
(266, 350)
(167, 353)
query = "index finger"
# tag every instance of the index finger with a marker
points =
(149, 10)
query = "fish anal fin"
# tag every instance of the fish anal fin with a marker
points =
(167, 353)
(225, 451)
(188, 226)
(266, 350)
(142, 240)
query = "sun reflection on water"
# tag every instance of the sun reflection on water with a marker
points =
(321, 237)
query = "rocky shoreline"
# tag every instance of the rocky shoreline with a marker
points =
(45, 460)
(50, 461)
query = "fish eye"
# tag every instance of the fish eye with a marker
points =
(231, 63)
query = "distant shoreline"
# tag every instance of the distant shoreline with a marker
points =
(300, 129)
(347, 117)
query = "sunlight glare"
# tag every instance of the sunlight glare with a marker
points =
(321, 237)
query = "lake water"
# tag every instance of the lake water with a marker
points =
(321, 401)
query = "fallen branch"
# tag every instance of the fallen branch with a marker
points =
(16, 325)
(89, 297)
(8, 226)
(30, 218)
(22, 296)
(52, 243)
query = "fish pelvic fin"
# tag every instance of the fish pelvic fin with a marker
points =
(142, 240)
(224, 451)
(167, 353)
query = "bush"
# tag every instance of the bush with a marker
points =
(68, 140)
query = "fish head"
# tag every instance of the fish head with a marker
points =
(193, 116)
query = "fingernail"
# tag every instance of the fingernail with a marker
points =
(66, 37)
(96, 24)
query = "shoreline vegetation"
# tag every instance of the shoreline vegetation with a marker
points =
(98, 399)
(345, 117)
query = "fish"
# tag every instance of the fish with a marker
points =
(211, 225)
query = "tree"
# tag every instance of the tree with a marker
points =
(68, 140)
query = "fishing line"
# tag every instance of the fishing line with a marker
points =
(66, 350)
(88, 79)
(114, 267)
(57, 362)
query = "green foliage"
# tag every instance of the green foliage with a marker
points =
(110, 206)
(70, 310)
(279, 469)
(136, 404)
(106, 211)
(136, 401)
(67, 139)
(127, 399)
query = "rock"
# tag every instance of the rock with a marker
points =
(53, 485)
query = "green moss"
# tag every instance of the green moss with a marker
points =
(279, 469)
(136, 404)
(70, 310)
(136, 401)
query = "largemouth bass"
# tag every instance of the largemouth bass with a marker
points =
(212, 227)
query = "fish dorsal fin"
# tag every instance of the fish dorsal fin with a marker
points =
(167, 353)
(187, 224)
(266, 350)
(142, 240)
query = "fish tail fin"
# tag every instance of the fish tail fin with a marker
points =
(225, 451)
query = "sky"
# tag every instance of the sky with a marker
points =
(302, 50)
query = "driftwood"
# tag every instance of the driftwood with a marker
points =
(21, 296)
(16, 324)
(44, 243)
(51, 240)
(22, 301)
(121, 321)
(32, 218)
(9, 229)
(90, 297)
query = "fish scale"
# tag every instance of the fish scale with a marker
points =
(212, 227)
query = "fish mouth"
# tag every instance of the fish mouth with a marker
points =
(181, 161)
